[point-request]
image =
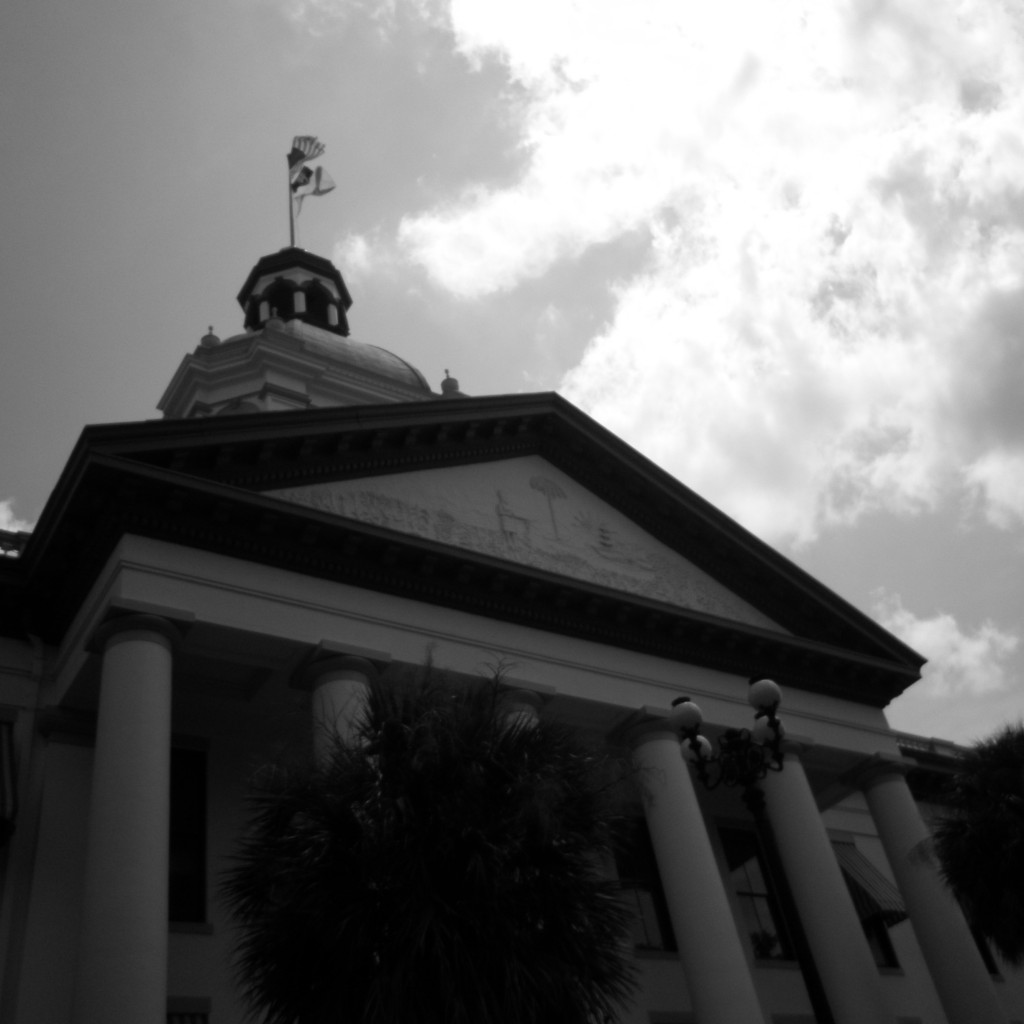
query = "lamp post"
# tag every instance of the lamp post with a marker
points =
(745, 756)
(743, 759)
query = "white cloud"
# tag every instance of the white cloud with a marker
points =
(9, 521)
(959, 661)
(355, 253)
(834, 193)
(320, 17)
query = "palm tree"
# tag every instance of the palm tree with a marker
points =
(980, 842)
(439, 871)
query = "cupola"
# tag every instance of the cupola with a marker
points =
(296, 285)
(296, 351)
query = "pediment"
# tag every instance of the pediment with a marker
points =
(517, 507)
(528, 512)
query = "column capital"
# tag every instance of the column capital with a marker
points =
(642, 724)
(119, 628)
(306, 678)
(796, 747)
(515, 691)
(875, 769)
(333, 656)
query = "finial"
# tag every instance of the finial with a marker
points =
(449, 386)
(209, 339)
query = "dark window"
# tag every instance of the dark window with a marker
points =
(317, 301)
(877, 934)
(641, 887)
(760, 916)
(187, 881)
(984, 949)
(877, 901)
(279, 300)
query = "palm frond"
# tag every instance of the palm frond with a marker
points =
(980, 840)
(440, 871)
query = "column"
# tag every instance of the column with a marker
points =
(714, 962)
(833, 929)
(960, 976)
(121, 974)
(340, 688)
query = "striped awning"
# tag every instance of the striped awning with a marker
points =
(873, 894)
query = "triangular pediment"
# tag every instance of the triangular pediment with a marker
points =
(517, 507)
(528, 512)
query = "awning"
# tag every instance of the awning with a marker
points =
(873, 894)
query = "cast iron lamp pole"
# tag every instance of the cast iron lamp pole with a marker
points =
(744, 758)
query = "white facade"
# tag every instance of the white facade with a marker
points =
(195, 589)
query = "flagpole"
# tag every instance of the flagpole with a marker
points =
(291, 208)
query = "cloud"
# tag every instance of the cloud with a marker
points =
(322, 17)
(825, 324)
(959, 661)
(9, 521)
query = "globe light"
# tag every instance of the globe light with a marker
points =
(697, 749)
(685, 716)
(763, 732)
(764, 694)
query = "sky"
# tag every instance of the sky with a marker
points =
(778, 248)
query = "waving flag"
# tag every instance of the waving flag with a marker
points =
(303, 180)
(304, 147)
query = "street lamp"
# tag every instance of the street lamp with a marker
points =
(745, 756)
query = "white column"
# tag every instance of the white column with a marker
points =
(340, 688)
(714, 962)
(960, 976)
(830, 922)
(121, 974)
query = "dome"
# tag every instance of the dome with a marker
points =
(350, 353)
(295, 353)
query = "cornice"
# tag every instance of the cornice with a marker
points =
(119, 497)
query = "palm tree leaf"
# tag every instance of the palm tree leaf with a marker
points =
(439, 870)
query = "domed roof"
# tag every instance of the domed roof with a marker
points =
(295, 352)
(348, 352)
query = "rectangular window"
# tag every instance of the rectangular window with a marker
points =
(877, 901)
(641, 887)
(984, 949)
(187, 1011)
(760, 915)
(186, 889)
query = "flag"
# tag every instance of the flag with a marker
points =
(304, 147)
(310, 181)
(304, 180)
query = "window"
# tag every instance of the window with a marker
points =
(187, 1011)
(877, 933)
(641, 886)
(760, 915)
(317, 301)
(984, 949)
(186, 889)
(877, 901)
(8, 783)
(280, 301)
